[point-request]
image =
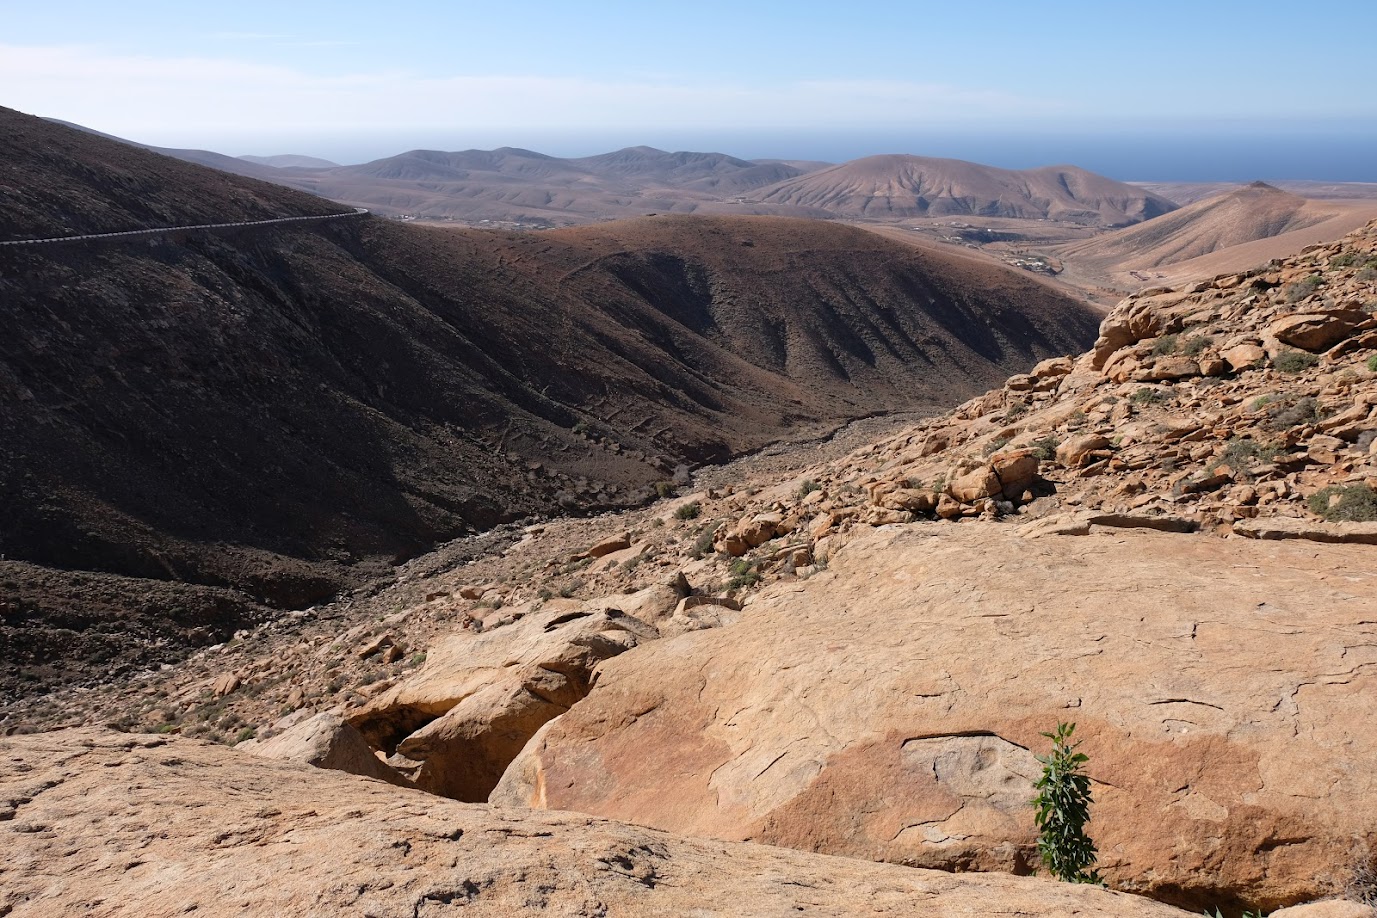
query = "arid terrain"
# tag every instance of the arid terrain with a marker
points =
(681, 565)
(254, 420)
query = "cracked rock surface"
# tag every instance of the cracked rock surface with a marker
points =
(889, 708)
(106, 824)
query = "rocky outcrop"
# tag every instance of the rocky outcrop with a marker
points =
(109, 824)
(458, 723)
(891, 707)
(325, 741)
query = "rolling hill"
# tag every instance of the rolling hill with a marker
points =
(1224, 232)
(899, 186)
(199, 427)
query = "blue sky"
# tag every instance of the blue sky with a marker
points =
(1107, 84)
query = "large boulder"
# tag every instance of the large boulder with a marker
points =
(325, 741)
(478, 698)
(102, 823)
(1318, 331)
(892, 709)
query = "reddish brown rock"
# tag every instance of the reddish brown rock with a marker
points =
(849, 715)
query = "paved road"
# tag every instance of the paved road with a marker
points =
(358, 212)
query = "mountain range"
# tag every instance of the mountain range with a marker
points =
(280, 413)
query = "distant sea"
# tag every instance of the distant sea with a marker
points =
(1330, 152)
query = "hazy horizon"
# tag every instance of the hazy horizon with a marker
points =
(1181, 92)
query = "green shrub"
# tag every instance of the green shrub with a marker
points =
(1195, 345)
(1146, 396)
(1290, 413)
(664, 489)
(1015, 411)
(1165, 345)
(1063, 808)
(1242, 452)
(1344, 260)
(743, 573)
(688, 511)
(1295, 361)
(995, 445)
(580, 427)
(1046, 448)
(1366, 275)
(1302, 288)
(703, 544)
(1345, 503)
(1372, 363)
(808, 486)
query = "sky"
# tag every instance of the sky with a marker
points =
(1184, 91)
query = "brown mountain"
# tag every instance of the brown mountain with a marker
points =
(269, 415)
(1229, 231)
(899, 186)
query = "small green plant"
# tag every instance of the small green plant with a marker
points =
(1063, 808)
(808, 486)
(1015, 411)
(1046, 448)
(1345, 503)
(1146, 396)
(1344, 260)
(744, 574)
(1372, 363)
(1366, 275)
(1292, 362)
(580, 428)
(247, 733)
(1289, 413)
(1241, 452)
(995, 445)
(688, 511)
(1195, 345)
(1302, 288)
(1246, 914)
(703, 543)
(664, 489)
(1165, 345)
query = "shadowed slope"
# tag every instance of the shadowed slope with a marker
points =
(284, 412)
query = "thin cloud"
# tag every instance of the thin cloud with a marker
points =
(133, 94)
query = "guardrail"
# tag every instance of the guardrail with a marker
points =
(358, 212)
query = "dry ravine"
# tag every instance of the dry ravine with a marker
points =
(1170, 540)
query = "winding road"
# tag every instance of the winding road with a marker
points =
(358, 212)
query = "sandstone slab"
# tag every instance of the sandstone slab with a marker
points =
(889, 709)
(113, 825)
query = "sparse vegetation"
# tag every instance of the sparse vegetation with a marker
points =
(1046, 448)
(808, 486)
(1015, 411)
(664, 489)
(1241, 453)
(1063, 808)
(1345, 260)
(1362, 886)
(688, 511)
(1148, 396)
(743, 574)
(1165, 345)
(1345, 503)
(703, 543)
(1292, 362)
(1289, 413)
(995, 446)
(1302, 288)
(1195, 345)
(1372, 363)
